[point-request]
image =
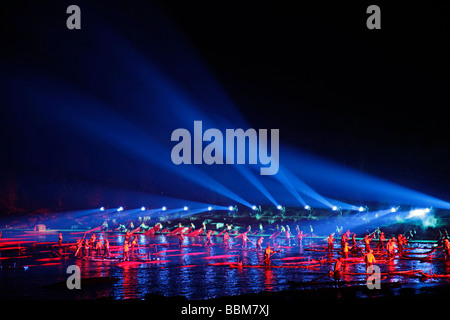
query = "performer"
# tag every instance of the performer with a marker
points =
(275, 233)
(106, 252)
(381, 241)
(86, 248)
(299, 237)
(345, 250)
(447, 249)
(353, 239)
(312, 231)
(288, 235)
(244, 240)
(401, 241)
(337, 274)
(226, 237)
(78, 253)
(127, 235)
(369, 258)
(204, 227)
(259, 242)
(344, 239)
(181, 237)
(330, 243)
(133, 244)
(98, 247)
(267, 254)
(367, 242)
(355, 249)
(261, 229)
(377, 233)
(60, 238)
(390, 247)
(126, 248)
(208, 239)
(92, 242)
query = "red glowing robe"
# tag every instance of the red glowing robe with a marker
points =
(195, 233)
(178, 231)
(152, 231)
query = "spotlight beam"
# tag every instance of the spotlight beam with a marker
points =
(281, 177)
(256, 183)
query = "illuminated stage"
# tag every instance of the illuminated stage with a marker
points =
(159, 266)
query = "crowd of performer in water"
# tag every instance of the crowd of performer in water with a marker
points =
(386, 248)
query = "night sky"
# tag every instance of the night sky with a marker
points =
(372, 100)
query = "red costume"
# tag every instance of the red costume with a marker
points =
(226, 236)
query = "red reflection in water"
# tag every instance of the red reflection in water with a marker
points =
(6, 243)
(221, 256)
(130, 282)
(269, 280)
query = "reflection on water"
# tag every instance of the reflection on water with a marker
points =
(192, 271)
(268, 279)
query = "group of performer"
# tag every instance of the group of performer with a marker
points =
(348, 245)
(388, 247)
(101, 248)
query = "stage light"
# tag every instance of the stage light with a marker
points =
(186, 208)
(102, 208)
(279, 207)
(418, 213)
(210, 208)
(254, 207)
(361, 209)
(120, 209)
(307, 207)
(393, 209)
(164, 208)
(231, 208)
(142, 208)
(334, 208)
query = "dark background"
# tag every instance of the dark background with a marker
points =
(373, 100)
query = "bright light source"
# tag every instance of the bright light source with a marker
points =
(254, 207)
(120, 209)
(164, 208)
(230, 208)
(102, 208)
(279, 207)
(418, 213)
(307, 207)
(393, 209)
(361, 209)
(142, 208)
(210, 208)
(334, 208)
(186, 208)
